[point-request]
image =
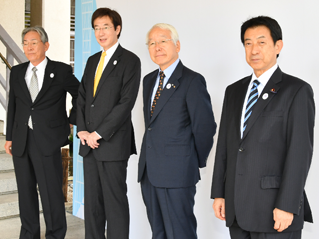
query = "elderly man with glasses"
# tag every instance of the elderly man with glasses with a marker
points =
(179, 131)
(37, 127)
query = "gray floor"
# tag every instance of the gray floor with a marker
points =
(10, 228)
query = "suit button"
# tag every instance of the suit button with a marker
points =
(25, 123)
(241, 149)
(149, 129)
(88, 123)
(149, 147)
(92, 105)
(32, 109)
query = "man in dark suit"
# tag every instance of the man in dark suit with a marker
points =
(37, 128)
(179, 131)
(265, 143)
(107, 95)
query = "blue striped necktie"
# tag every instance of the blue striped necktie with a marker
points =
(252, 99)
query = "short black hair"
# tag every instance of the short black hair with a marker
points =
(112, 14)
(268, 22)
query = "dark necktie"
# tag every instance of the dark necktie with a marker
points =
(252, 99)
(158, 92)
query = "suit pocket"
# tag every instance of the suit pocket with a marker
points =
(270, 182)
(177, 150)
(57, 122)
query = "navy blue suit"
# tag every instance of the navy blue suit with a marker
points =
(177, 141)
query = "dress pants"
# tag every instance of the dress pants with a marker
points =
(170, 211)
(33, 168)
(236, 232)
(105, 199)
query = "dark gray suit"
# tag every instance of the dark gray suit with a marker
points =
(177, 141)
(37, 153)
(109, 114)
(266, 168)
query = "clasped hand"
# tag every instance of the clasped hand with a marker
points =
(89, 138)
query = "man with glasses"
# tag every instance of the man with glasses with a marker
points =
(179, 131)
(265, 143)
(37, 127)
(107, 95)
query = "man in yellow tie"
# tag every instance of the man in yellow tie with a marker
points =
(107, 95)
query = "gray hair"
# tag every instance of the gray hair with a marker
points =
(38, 29)
(165, 26)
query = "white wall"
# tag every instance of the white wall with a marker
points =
(210, 44)
(56, 22)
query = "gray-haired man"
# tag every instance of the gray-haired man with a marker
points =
(37, 127)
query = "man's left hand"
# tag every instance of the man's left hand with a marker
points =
(92, 140)
(282, 219)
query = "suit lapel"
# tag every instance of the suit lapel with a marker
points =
(22, 81)
(49, 75)
(149, 86)
(111, 65)
(261, 102)
(91, 73)
(167, 93)
(239, 99)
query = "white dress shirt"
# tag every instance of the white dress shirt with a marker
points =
(263, 79)
(40, 73)
(109, 54)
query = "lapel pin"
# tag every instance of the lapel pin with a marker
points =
(169, 86)
(273, 90)
(52, 75)
(115, 62)
(265, 96)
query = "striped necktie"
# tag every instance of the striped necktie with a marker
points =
(252, 99)
(34, 90)
(99, 72)
(158, 92)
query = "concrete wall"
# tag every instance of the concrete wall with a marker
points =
(12, 20)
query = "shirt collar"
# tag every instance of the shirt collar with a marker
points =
(169, 71)
(264, 78)
(112, 49)
(40, 66)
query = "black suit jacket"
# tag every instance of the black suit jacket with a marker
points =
(50, 122)
(268, 167)
(179, 136)
(109, 112)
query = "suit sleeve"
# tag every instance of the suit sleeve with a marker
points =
(71, 85)
(219, 173)
(81, 100)
(300, 128)
(11, 107)
(120, 112)
(202, 118)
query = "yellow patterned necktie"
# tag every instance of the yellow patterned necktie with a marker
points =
(99, 72)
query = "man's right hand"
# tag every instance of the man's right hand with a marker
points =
(7, 147)
(83, 135)
(219, 208)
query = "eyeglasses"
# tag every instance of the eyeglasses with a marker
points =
(32, 43)
(161, 43)
(103, 29)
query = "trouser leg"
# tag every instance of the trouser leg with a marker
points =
(113, 180)
(170, 210)
(28, 197)
(94, 214)
(49, 175)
